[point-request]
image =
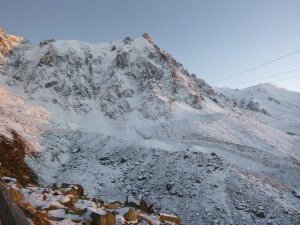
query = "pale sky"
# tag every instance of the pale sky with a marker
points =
(213, 38)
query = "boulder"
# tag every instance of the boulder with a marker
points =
(170, 219)
(76, 189)
(260, 214)
(296, 194)
(16, 195)
(131, 215)
(41, 219)
(100, 219)
(113, 205)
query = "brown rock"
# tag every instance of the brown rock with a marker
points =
(86, 222)
(131, 215)
(64, 185)
(40, 219)
(113, 205)
(16, 195)
(28, 209)
(145, 208)
(108, 219)
(54, 186)
(143, 205)
(53, 207)
(76, 189)
(170, 219)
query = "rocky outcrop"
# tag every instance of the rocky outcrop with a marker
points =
(48, 205)
(12, 154)
(254, 106)
(8, 42)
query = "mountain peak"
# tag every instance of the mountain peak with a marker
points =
(148, 37)
(8, 42)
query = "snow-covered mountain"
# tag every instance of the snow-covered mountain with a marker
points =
(125, 118)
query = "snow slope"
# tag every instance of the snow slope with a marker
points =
(277, 102)
(125, 118)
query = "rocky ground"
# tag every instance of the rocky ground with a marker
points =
(68, 204)
(201, 188)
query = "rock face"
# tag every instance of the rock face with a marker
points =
(83, 76)
(125, 118)
(8, 43)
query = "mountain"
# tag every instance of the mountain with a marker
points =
(125, 118)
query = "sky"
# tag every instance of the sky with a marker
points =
(214, 39)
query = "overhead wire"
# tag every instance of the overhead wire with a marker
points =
(274, 75)
(255, 67)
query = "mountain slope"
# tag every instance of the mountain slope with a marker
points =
(268, 102)
(126, 119)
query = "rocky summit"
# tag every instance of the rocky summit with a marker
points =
(125, 120)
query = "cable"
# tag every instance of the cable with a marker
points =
(253, 68)
(285, 79)
(274, 75)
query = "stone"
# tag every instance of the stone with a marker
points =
(108, 219)
(113, 205)
(41, 219)
(296, 194)
(260, 214)
(16, 195)
(198, 181)
(240, 206)
(170, 219)
(169, 186)
(131, 215)
(64, 185)
(76, 189)
(80, 212)
(142, 178)
(86, 222)
(143, 205)
(27, 208)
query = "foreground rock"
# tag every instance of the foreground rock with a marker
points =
(68, 204)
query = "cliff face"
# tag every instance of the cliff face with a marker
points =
(116, 78)
(125, 118)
